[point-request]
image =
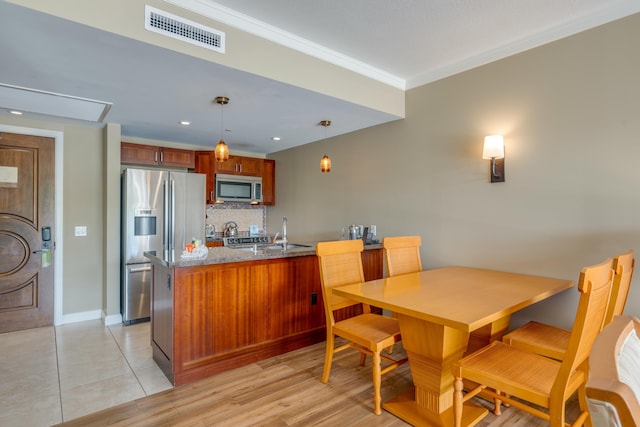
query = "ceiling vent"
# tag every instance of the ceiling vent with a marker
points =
(179, 28)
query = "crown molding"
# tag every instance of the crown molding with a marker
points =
(606, 15)
(261, 29)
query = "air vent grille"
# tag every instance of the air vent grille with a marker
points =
(179, 28)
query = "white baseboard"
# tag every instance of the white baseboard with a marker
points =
(112, 319)
(80, 317)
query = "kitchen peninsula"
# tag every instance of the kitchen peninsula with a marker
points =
(237, 306)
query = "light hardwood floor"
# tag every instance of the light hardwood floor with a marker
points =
(82, 368)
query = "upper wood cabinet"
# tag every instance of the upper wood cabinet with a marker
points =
(139, 154)
(205, 162)
(238, 165)
(269, 182)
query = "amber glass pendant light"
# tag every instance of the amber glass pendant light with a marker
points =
(325, 162)
(222, 151)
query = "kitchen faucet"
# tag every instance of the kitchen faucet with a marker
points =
(283, 241)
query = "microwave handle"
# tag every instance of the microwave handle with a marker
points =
(258, 191)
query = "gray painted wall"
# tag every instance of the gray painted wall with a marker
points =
(570, 115)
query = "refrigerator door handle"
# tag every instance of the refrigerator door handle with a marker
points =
(165, 221)
(139, 270)
(172, 221)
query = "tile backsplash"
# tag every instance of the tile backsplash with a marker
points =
(242, 214)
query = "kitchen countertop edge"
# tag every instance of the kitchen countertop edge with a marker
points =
(225, 255)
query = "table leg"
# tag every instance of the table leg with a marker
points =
(431, 349)
(488, 333)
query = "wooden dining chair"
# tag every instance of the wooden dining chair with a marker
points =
(341, 264)
(402, 254)
(613, 388)
(552, 341)
(527, 380)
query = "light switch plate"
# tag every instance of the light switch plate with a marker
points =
(81, 230)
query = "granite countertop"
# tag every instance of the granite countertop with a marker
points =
(223, 255)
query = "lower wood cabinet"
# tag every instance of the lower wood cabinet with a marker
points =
(230, 315)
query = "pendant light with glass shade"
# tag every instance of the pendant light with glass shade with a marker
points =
(325, 162)
(222, 151)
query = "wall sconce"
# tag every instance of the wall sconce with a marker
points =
(494, 150)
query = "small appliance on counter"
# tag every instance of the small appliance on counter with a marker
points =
(230, 229)
(366, 233)
(354, 232)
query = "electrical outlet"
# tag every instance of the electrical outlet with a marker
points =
(81, 230)
(314, 298)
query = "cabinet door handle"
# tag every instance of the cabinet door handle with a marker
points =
(211, 195)
(240, 167)
(155, 157)
(162, 157)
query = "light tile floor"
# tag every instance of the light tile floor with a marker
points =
(54, 374)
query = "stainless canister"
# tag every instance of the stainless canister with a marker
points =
(353, 232)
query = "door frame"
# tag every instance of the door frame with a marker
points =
(57, 259)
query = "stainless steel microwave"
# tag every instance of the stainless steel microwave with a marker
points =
(237, 188)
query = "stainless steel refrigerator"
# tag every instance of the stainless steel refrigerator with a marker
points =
(161, 211)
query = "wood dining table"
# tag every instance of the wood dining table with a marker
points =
(445, 313)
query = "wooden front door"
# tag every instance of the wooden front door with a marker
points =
(26, 222)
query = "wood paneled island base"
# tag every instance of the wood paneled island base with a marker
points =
(212, 317)
(209, 366)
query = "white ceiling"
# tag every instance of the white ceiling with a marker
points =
(404, 43)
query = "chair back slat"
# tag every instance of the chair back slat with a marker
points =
(340, 264)
(402, 254)
(595, 287)
(623, 266)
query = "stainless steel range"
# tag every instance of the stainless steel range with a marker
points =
(245, 241)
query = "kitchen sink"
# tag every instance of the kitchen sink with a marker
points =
(296, 245)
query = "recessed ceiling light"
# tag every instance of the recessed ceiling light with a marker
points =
(16, 112)
(185, 123)
(275, 138)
